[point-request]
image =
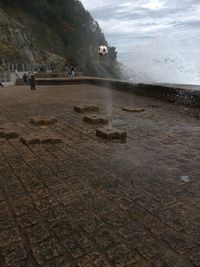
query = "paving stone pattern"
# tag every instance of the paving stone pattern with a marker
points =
(94, 202)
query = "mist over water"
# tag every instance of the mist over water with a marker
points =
(163, 60)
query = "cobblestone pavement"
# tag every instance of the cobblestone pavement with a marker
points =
(93, 202)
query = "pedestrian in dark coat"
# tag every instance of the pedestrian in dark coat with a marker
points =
(25, 78)
(32, 82)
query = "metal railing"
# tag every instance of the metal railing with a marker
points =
(5, 77)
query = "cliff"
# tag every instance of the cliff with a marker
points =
(53, 31)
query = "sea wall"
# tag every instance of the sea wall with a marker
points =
(187, 95)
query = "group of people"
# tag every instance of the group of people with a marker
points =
(70, 70)
(29, 79)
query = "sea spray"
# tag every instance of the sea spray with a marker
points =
(163, 60)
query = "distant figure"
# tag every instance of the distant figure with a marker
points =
(67, 71)
(1, 84)
(25, 78)
(32, 82)
(16, 74)
(28, 77)
(72, 72)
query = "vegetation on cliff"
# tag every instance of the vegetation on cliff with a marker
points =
(36, 29)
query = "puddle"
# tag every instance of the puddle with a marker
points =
(118, 122)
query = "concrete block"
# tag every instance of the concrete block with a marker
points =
(111, 133)
(96, 119)
(86, 108)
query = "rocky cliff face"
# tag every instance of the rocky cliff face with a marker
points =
(53, 32)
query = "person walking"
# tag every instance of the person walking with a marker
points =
(32, 82)
(25, 78)
(16, 74)
(72, 72)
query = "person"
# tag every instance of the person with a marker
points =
(32, 82)
(1, 84)
(72, 72)
(28, 77)
(16, 74)
(25, 78)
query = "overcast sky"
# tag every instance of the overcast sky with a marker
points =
(128, 23)
(135, 26)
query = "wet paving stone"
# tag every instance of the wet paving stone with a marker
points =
(90, 223)
(77, 244)
(29, 220)
(132, 231)
(168, 260)
(89, 201)
(8, 237)
(44, 204)
(13, 254)
(60, 262)
(3, 207)
(23, 206)
(46, 251)
(122, 256)
(148, 247)
(194, 256)
(6, 221)
(54, 214)
(37, 233)
(155, 226)
(113, 218)
(106, 238)
(178, 242)
(93, 259)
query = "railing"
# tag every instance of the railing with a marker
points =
(28, 67)
(5, 77)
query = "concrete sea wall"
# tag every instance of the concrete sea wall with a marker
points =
(187, 95)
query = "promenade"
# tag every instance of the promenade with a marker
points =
(91, 202)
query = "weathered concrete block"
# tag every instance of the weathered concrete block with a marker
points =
(30, 139)
(132, 109)
(8, 133)
(111, 133)
(2, 133)
(96, 119)
(11, 134)
(86, 108)
(43, 120)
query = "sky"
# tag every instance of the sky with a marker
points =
(160, 31)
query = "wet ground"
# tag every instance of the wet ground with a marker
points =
(95, 202)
